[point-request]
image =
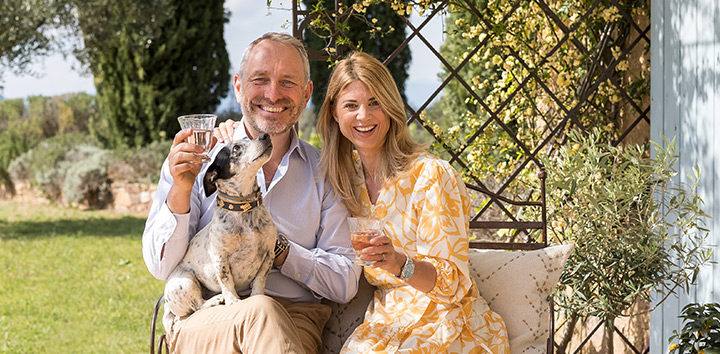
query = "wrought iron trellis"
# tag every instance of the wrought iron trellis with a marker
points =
(601, 67)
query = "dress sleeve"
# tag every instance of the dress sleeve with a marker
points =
(443, 209)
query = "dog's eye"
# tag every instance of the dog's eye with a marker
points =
(236, 148)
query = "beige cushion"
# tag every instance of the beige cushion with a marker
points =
(518, 286)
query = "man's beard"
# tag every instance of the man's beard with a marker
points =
(270, 129)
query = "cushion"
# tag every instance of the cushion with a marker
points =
(345, 317)
(518, 286)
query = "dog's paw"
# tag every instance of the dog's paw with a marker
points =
(229, 300)
(213, 301)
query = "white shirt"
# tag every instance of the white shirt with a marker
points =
(303, 206)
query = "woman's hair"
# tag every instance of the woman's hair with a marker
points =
(398, 149)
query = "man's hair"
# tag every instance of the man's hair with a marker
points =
(399, 149)
(282, 38)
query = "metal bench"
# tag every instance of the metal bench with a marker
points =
(348, 316)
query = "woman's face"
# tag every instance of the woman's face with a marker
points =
(361, 119)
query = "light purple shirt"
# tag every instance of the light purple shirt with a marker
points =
(304, 208)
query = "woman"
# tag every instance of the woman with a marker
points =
(425, 300)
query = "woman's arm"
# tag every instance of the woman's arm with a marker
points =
(386, 257)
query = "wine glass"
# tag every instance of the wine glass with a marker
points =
(202, 127)
(362, 230)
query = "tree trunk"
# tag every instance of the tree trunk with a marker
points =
(608, 339)
(9, 185)
(567, 334)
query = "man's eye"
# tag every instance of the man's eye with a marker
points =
(258, 80)
(288, 83)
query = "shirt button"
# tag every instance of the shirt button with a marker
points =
(297, 275)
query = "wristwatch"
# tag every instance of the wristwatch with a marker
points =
(408, 269)
(281, 245)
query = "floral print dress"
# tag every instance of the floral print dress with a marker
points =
(426, 211)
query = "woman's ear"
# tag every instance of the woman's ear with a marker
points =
(334, 115)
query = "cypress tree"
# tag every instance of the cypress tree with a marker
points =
(152, 62)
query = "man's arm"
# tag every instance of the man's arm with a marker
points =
(171, 217)
(328, 269)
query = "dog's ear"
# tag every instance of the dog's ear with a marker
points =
(215, 169)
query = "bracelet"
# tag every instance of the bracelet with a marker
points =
(281, 245)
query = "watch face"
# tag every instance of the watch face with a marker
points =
(408, 269)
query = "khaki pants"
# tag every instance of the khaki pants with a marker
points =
(258, 324)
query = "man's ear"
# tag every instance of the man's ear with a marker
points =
(237, 87)
(308, 91)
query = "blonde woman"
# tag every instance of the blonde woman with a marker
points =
(425, 300)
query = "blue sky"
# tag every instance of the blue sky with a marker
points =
(249, 20)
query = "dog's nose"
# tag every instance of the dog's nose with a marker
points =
(263, 137)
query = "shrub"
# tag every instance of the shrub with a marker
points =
(18, 138)
(45, 165)
(701, 331)
(86, 180)
(141, 164)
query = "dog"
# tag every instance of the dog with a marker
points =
(236, 249)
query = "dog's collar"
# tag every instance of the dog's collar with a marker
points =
(226, 202)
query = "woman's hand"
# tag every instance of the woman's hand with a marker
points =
(224, 131)
(384, 255)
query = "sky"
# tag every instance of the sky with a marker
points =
(249, 20)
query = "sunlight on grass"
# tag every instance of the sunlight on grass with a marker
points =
(73, 281)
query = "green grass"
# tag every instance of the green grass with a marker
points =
(73, 281)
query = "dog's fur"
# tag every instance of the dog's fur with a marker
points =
(235, 249)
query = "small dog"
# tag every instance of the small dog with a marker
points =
(235, 249)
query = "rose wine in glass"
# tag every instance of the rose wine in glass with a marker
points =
(362, 230)
(202, 127)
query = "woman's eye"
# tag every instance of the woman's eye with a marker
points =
(374, 103)
(350, 106)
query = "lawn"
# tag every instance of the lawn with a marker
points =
(73, 281)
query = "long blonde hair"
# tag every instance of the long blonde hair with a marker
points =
(398, 149)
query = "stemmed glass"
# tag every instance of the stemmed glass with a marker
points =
(202, 127)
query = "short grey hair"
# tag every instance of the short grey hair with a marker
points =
(282, 38)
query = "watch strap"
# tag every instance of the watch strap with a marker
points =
(281, 245)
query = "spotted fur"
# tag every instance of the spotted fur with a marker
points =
(235, 250)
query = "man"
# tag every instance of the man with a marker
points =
(313, 262)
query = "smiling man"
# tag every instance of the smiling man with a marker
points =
(312, 262)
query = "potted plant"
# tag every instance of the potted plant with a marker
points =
(701, 333)
(635, 228)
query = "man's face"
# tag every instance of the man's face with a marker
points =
(272, 91)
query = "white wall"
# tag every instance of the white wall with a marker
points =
(685, 103)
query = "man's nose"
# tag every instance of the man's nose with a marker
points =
(273, 91)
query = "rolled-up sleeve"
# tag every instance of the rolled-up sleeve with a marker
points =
(327, 270)
(166, 235)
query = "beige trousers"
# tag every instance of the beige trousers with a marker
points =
(258, 324)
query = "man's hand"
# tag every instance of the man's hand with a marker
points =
(185, 164)
(224, 131)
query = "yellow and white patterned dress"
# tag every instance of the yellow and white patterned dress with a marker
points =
(426, 211)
